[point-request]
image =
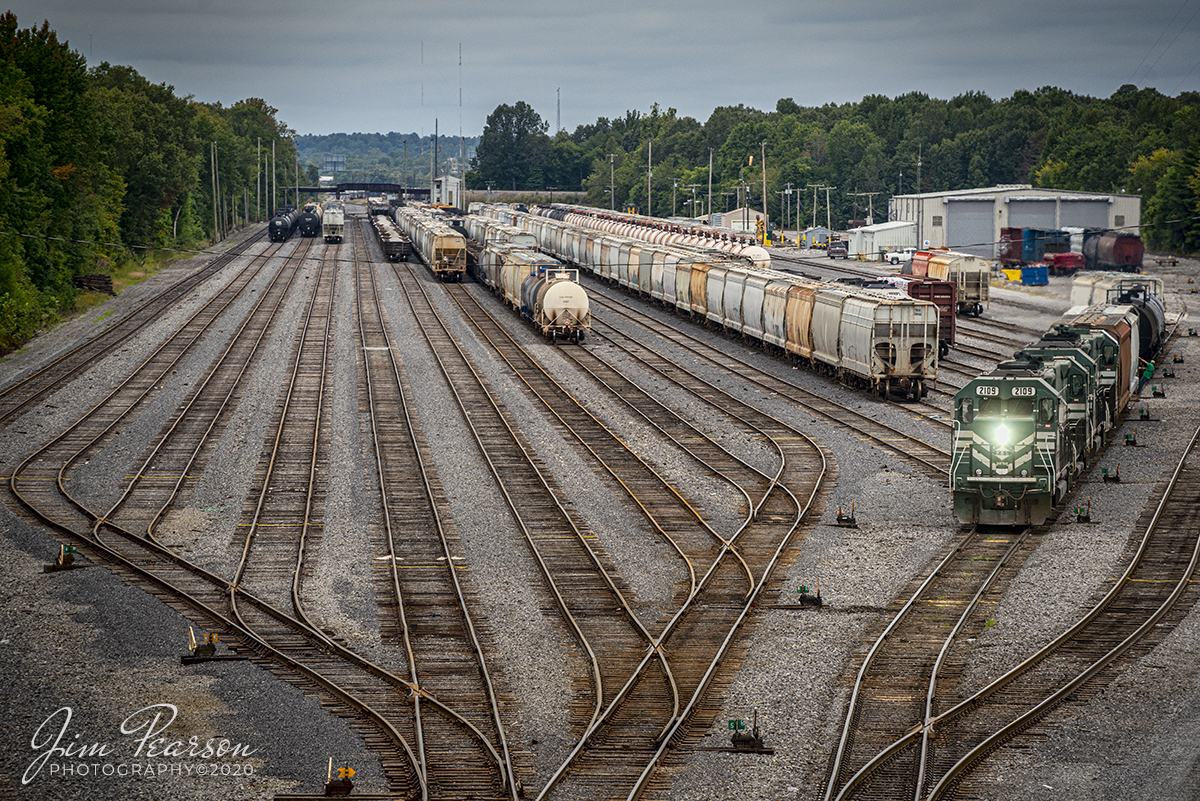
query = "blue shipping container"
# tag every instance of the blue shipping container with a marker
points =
(1037, 275)
(1032, 245)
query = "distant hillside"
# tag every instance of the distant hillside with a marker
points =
(392, 157)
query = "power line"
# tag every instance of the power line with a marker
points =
(1160, 38)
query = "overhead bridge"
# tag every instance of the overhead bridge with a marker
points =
(396, 190)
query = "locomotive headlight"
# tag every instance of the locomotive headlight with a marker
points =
(1001, 435)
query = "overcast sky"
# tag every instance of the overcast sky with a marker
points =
(357, 65)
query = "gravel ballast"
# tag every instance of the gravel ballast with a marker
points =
(88, 641)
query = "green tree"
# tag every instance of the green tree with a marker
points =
(513, 148)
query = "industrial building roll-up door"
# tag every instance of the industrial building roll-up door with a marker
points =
(1083, 213)
(969, 226)
(1033, 213)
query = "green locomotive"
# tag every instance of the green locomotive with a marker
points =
(1025, 431)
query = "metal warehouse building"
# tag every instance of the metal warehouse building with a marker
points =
(970, 220)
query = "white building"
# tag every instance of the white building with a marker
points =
(970, 220)
(447, 189)
(740, 220)
(870, 241)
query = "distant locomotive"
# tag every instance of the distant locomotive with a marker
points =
(310, 220)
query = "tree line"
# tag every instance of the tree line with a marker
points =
(391, 158)
(1137, 141)
(100, 167)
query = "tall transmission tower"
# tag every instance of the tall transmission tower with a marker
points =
(558, 110)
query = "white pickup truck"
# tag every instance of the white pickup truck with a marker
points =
(898, 256)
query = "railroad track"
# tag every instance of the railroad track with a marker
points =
(269, 625)
(427, 607)
(622, 746)
(595, 604)
(936, 757)
(18, 397)
(905, 675)
(929, 459)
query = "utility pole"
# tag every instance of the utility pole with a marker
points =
(766, 218)
(870, 196)
(433, 161)
(274, 181)
(710, 154)
(258, 184)
(649, 175)
(814, 188)
(828, 211)
(920, 203)
(612, 183)
(787, 215)
(674, 186)
(212, 163)
(693, 187)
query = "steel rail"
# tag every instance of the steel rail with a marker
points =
(1181, 585)
(510, 502)
(747, 375)
(504, 761)
(608, 467)
(132, 321)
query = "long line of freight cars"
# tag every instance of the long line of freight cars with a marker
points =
(882, 340)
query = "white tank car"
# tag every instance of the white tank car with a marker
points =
(558, 306)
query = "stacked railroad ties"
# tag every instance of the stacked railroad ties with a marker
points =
(884, 341)
(1025, 431)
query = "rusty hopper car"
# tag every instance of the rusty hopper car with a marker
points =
(970, 275)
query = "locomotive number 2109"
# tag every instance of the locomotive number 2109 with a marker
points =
(1024, 392)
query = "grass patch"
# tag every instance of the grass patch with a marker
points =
(125, 273)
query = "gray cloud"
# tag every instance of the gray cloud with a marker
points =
(357, 65)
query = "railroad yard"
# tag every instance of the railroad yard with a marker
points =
(466, 562)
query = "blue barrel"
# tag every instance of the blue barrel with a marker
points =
(1037, 275)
